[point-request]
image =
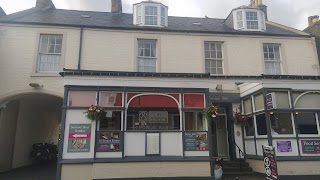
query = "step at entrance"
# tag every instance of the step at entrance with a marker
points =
(237, 168)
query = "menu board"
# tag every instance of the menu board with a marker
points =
(108, 142)
(196, 141)
(284, 146)
(310, 146)
(270, 162)
(79, 138)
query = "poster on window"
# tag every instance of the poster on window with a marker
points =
(196, 141)
(284, 146)
(158, 117)
(79, 138)
(108, 142)
(310, 146)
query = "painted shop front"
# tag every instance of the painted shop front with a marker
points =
(285, 116)
(145, 131)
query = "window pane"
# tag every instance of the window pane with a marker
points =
(49, 53)
(281, 123)
(258, 102)
(309, 101)
(214, 56)
(194, 121)
(112, 121)
(282, 100)
(306, 123)
(249, 127)
(261, 124)
(153, 119)
(82, 98)
(247, 106)
(110, 99)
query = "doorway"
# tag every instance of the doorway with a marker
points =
(220, 136)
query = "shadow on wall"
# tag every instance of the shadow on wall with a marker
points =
(34, 118)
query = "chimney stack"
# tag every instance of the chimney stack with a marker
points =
(259, 5)
(2, 13)
(116, 6)
(313, 19)
(45, 4)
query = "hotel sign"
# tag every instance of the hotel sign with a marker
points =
(224, 98)
(270, 101)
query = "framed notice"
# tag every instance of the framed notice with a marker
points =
(310, 146)
(284, 146)
(79, 138)
(153, 144)
(196, 141)
(108, 142)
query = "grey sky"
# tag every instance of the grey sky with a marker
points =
(293, 13)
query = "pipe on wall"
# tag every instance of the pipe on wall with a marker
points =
(80, 48)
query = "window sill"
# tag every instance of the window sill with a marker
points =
(45, 74)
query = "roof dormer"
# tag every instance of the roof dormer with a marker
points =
(246, 18)
(150, 13)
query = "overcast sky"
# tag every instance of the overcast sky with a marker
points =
(293, 13)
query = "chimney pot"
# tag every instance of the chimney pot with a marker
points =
(116, 6)
(44, 4)
(313, 19)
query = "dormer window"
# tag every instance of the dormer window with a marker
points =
(150, 13)
(249, 20)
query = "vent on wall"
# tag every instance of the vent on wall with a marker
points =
(85, 16)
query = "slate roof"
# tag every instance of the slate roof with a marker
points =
(60, 17)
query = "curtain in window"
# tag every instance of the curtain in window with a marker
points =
(48, 63)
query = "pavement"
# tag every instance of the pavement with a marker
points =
(34, 172)
(48, 172)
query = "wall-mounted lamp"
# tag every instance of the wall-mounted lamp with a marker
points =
(35, 85)
(219, 87)
(271, 113)
(296, 113)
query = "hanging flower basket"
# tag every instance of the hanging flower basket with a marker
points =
(95, 113)
(239, 118)
(211, 112)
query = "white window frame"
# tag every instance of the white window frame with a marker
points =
(252, 20)
(272, 61)
(39, 52)
(152, 16)
(214, 59)
(318, 126)
(254, 127)
(163, 16)
(146, 58)
(244, 21)
(139, 15)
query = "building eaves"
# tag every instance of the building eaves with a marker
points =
(72, 72)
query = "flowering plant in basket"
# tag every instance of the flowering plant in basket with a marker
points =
(95, 113)
(239, 118)
(211, 112)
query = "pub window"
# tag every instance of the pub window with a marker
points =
(261, 124)
(82, 98)
(249, 127)
(110, 99)
(112, 121)
(258, 102)
(194, 121)
(282, 100)
(306, 123)
(247, 106)
(281, 123)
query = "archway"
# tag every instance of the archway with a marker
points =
(26, 119)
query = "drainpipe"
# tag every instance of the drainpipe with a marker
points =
(80, 48)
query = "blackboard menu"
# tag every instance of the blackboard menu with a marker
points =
(270, 163)
(310, 146)
(108, 142)
(196, 141)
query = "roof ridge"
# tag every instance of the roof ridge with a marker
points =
(16, 15)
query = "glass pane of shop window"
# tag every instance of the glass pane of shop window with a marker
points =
(82, 98)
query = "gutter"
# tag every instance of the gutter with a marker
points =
(80, 48)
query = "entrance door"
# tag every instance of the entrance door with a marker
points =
(222, 136)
